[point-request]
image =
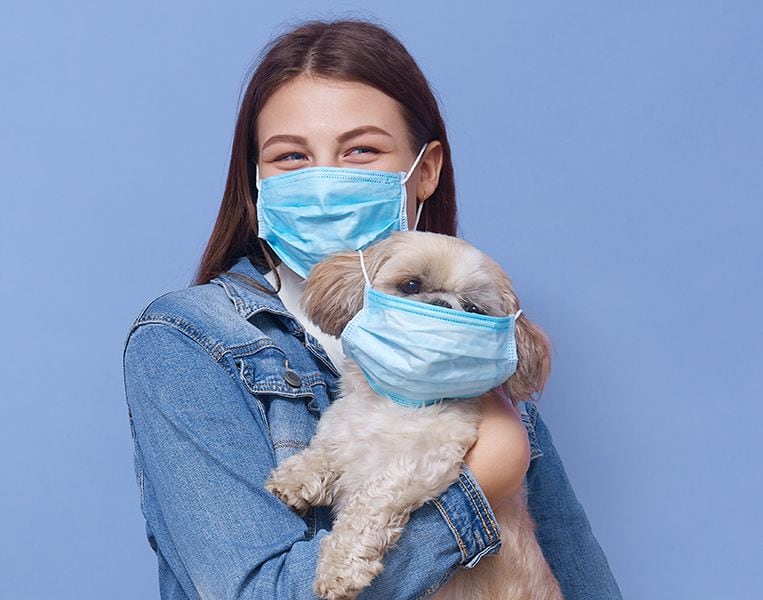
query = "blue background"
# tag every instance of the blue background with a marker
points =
(607, 153)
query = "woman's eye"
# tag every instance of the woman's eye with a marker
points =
(412, 286)
(363, 150)
(291, 156)
(473, 308)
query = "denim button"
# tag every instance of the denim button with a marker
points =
(292, 378)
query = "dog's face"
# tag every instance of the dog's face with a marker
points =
(444, 271)
(435, 269)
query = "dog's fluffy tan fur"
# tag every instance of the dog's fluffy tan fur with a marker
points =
(375, 461)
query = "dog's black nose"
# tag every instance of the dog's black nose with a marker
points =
(440, 302)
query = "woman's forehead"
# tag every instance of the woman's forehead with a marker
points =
(318, 108)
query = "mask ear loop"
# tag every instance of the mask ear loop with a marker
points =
(257, 176)
(418, 215)
(363, 268)
(516, 316)
(410, 172)
(415, 162)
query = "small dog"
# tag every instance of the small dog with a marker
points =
(355, 461)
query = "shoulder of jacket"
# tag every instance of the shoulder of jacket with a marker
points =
(204, 313)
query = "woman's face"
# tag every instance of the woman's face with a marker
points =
(311, 122)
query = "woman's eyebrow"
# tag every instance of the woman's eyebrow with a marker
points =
(294, 139)
(347, 135)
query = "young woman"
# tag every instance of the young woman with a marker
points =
(227, 378)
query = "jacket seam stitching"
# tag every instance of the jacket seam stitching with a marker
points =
(481, 510)
(216, 350)
(531, 420)
(474, 504)
(452, 527)
(252, 348)
(487, 510)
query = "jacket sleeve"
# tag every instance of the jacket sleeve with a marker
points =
(562, 528)
(203, 454)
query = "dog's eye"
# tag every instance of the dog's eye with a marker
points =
(473, 308)
(412, 286)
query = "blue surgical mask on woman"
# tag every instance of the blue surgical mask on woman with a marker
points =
(417, 354)
(307, 214)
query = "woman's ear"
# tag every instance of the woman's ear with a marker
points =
(534, 364)
(429, 170)
(334, 288)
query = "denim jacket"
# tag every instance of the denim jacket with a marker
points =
(222, 384)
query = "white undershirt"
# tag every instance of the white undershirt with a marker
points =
(292, 288)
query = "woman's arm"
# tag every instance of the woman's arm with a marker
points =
(563, 531)
(202, 454)
(500, 456)
(499, 460)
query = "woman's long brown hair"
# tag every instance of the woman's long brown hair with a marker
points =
(348, 50)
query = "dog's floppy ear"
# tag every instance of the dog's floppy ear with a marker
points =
(534, 365)
(533, 347)
(334, 288)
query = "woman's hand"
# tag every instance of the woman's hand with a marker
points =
(501, 455)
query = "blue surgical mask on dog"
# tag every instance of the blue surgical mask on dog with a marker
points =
(310, 213)
(417, 354)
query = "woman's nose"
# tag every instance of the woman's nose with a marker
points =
(326, 159)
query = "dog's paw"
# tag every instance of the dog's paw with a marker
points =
(340, 574)
(289, 491)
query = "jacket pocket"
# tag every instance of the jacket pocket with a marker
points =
(286, 396)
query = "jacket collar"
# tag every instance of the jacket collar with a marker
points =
(248, 301)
